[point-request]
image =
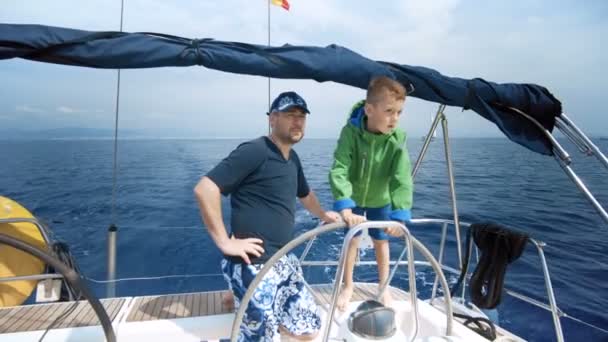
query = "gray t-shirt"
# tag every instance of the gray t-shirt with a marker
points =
(263, 188)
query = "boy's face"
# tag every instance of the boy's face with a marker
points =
(383, 115)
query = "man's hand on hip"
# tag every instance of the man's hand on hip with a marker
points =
(242, 248)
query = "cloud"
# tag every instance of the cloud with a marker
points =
(535, 20)
(27, 109)
(70, 110)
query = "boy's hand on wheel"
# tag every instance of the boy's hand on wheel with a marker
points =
(352, 219)
(394, 231)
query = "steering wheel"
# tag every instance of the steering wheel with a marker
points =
(238, 319)
(71, 276)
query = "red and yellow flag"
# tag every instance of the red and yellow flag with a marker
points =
(282, 3)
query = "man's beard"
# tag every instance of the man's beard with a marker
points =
(296, 139)
(291, 138)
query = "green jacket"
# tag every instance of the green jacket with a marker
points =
(371, 170)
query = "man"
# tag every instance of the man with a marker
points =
(263, 177)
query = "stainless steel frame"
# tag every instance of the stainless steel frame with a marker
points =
(551, 307)
(565, 124)
(427, 140)
(440, 116)
(448, 160)
(578, 138)
(310, 236)
(584, 144)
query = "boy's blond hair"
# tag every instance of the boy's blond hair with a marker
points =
(377, 85)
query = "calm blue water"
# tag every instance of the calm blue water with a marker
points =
(69, 185)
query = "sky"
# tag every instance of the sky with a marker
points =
(556, 44)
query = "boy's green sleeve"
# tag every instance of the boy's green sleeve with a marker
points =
(401, 187)
(339, 182)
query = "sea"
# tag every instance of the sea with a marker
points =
(163, 246)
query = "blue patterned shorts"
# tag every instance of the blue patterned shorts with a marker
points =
(280, 299)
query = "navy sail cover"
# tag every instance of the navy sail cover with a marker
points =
(498, 103)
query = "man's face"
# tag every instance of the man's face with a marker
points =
(383, 116)
(288, 126)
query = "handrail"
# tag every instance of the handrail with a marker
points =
(33, 221)
(555, 311)
(32, 277)
(71, 276)
(47, 241)
(537, 243)
(551, 307)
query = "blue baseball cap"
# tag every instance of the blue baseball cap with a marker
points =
(288, 100)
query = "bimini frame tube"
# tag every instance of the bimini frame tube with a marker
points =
(573, 136)
(427, 140)
(594, 150)
(440, 116)
(583, 188)
(448, 160)
(564, 160)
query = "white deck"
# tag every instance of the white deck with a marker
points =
(179, 317)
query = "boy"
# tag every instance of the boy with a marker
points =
(371, 177)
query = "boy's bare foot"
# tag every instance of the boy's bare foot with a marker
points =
(387, 299)
(344, 298)
(228, 300)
